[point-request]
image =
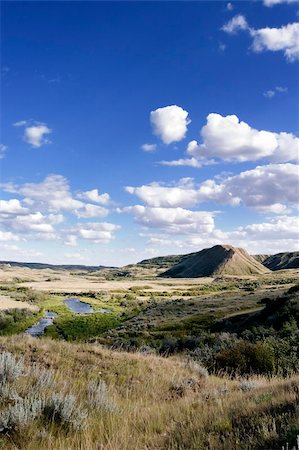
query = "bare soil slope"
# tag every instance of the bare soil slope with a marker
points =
(218, 260)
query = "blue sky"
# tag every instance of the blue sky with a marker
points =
(134, 129)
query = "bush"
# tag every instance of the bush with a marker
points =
(247, 358)
(63, 410)
(24, 411)
(98, 397)
(10, 367)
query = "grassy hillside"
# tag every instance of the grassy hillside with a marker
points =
(57, 396)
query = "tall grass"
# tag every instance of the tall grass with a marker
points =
(58, 395)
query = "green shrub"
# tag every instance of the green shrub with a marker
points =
(246, 358)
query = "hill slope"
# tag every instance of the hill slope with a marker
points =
(287, 260)
(52, 266)
(218, 260)
(60, 396)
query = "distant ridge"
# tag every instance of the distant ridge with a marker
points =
(217, 260)
(54, 266)
(286, 260)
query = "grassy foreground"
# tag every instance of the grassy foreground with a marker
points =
(57, 395)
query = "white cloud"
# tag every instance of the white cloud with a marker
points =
(280, 227)
(150, 148)
(276, 2)
(8, 236)
(283, 39)
(41, 217)
(95, 197)
(33, 222)
(170, 123)
(172, 220)
(99, 233)
(236, 24)
(89, 210)
(185, 162)
(273, 188)
(272, 92)
(12, 206)
(35, 135)
(3, 149)
(52, 194)
(230, 139)
(157, 195)
(229, 6)
(197, 160)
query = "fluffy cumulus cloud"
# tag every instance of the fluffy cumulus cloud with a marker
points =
(283, 39)
(228, 138)
(236, 24)
(170, 123)
(184, 194)
(94, 197)
(277, 234)
(53, 194)
(38, 214)
(89, 210)
(273, 188)
(11, 207)
(35, 133)
(280, 227)
(172, 220)
(99, 233)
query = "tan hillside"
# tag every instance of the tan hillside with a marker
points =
(218, 260)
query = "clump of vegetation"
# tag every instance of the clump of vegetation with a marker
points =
(98, 396)
(76, 328)
(16, 320)
(63, 409)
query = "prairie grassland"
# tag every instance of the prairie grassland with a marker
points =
(59, 395)
(93, 398)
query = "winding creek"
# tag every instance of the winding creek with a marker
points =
(39, 328)
(74, 304)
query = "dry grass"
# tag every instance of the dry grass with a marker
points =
(7, 303)
(161, 403)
